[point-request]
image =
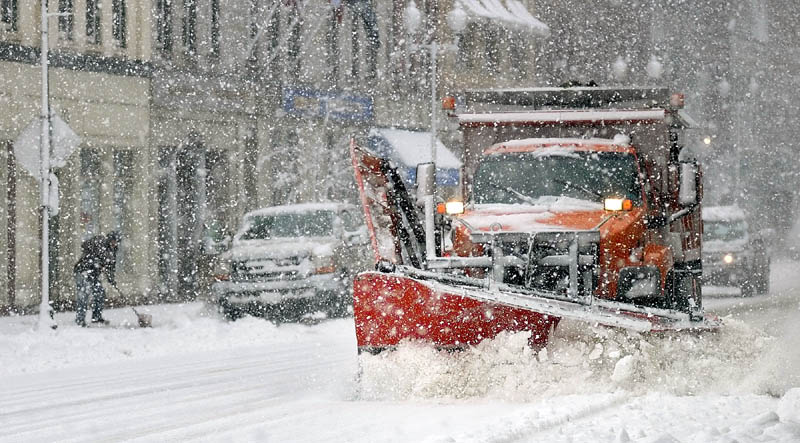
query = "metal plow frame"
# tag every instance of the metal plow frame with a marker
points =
(597, 311)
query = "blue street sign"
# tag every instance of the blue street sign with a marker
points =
(340, 106)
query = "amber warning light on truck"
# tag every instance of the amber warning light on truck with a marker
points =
(617, 204)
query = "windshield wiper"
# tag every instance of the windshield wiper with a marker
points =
(578, 187)
(520, 196)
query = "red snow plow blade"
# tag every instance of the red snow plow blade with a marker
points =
(391, 307)
(412, 296)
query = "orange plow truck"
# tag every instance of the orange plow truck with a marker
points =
(576, 203)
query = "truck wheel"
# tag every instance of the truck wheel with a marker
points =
(763, 280)
(335, 304)
(674, 298)
(679, 289)
(748, 286)
(763, 284)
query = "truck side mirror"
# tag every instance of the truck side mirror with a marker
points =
(687, 193)
(426, 184)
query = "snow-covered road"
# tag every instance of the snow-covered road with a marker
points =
(195, 377)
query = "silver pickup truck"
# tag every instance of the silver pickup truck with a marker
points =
(289, 261)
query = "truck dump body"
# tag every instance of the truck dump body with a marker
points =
(572, 213)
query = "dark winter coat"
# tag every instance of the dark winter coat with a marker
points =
(99, 256)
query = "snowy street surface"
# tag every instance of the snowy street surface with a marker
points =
(195, 377)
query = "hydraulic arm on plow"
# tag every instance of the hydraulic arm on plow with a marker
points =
(583, 210)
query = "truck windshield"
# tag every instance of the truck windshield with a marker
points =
(724, 230)
(302, 224)
(526, 177)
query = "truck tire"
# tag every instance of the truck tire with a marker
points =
(748, 286)
(678, 290)
(673, 296)
(335, 304)
(763, 280)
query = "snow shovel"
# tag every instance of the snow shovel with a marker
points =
(145, 320)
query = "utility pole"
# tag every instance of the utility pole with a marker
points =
(45, 310)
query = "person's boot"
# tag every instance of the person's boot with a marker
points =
(100, 320)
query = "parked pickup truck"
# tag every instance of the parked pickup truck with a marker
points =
(288, 261)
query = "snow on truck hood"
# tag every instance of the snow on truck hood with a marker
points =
(549, 214)
(282, 248)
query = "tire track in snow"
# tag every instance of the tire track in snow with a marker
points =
(234, 387)
(521, 428)
(26, 384)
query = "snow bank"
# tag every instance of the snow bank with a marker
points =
(789, 407)
(177, 328)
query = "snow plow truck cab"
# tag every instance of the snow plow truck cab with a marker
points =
(579, 203)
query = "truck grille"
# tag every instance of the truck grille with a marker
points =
(545, 260)
(266, 270)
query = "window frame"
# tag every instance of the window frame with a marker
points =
(66, 19)
(119, 22)
(94, 23)
(9, 14)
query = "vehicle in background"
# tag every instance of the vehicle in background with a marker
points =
(733, 255)
(293, 260)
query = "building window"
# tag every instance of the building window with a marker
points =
(518, 56)
(164, 25)
(123, 190)
(90, 192)
(364, 10)
(492, 49)
(214, 28)
(167, 221)
(119, 19)
(93, 22)
(65, 19)
(190, 26)
(8, 14)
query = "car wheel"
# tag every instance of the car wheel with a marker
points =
(332, 304)
(229, 311)
(763, 281)
(289, 311)
(748, 286)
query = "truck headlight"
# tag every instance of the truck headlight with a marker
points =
(452, 207)
(617, 204)
(728, 259)
(323, 265)
(222, 269)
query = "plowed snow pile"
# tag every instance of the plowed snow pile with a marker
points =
(578, 360)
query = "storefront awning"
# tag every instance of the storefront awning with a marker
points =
(406, 149)
(510, 13)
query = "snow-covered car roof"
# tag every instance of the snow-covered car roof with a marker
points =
(300, 208)
(723, 213)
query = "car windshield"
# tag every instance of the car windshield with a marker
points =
(525, 177)
(299, 224)
(724, 230)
